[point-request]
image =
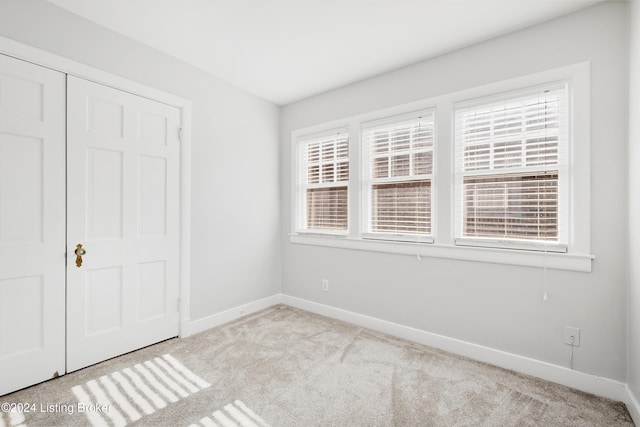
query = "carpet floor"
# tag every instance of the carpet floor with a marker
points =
(287, 367)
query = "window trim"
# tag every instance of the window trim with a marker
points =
(578, 255)
(562, 167)
(300, 196)
(525, 258)
(367, 182)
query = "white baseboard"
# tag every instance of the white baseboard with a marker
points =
(600, 386)
(199, 325)
(633, 405)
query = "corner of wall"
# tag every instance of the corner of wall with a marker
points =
(633, 248)
(633, 406)
(193, 327)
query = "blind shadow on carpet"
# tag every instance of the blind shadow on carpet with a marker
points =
(288, 367)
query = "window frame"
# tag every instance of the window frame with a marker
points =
(578, 255)
(562, 169)
(301, 201)
(367, 182)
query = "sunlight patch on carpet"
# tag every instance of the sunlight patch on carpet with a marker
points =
(235, 414)
(12, 419)
(130, 394)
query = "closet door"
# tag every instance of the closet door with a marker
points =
(123, 208)
(32, 224)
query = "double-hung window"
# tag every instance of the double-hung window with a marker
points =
(511, 170)
(397, 156)
(495, 173)
(323, 182)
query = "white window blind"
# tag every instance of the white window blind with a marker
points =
(323, 178)
(511, 168)
(397, 159)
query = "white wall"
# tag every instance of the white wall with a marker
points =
(633, 357)
(498, 306)
(235, 198)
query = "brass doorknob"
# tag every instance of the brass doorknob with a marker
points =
(79, 252)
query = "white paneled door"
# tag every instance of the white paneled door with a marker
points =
(123, 208)
(32, 224)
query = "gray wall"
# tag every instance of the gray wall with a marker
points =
(633, 358)
(498, 306)
(235, 255)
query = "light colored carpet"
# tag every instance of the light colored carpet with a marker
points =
(287, 367)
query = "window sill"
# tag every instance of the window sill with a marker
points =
(558, 261)
(519, 245)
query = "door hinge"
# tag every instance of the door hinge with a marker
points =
(180, 134)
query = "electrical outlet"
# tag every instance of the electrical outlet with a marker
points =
(325, 285)
(572, 336)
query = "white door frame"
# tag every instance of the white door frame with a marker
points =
(50, 60)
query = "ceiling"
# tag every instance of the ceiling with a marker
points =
(287, 50)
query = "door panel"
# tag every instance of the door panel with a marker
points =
(103, 300)
(152, 179)
(32, 224)
(152, 282)
(123, 201)
(26, 294)
(104, 194)
(21, 214)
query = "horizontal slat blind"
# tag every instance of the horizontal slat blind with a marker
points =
(397, 167)
(510, 164)
(519, 206)
(327, 208)
(323, 178)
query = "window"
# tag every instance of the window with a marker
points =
(323, 179)
(397, 176)
(511, 162)
(496, 173)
